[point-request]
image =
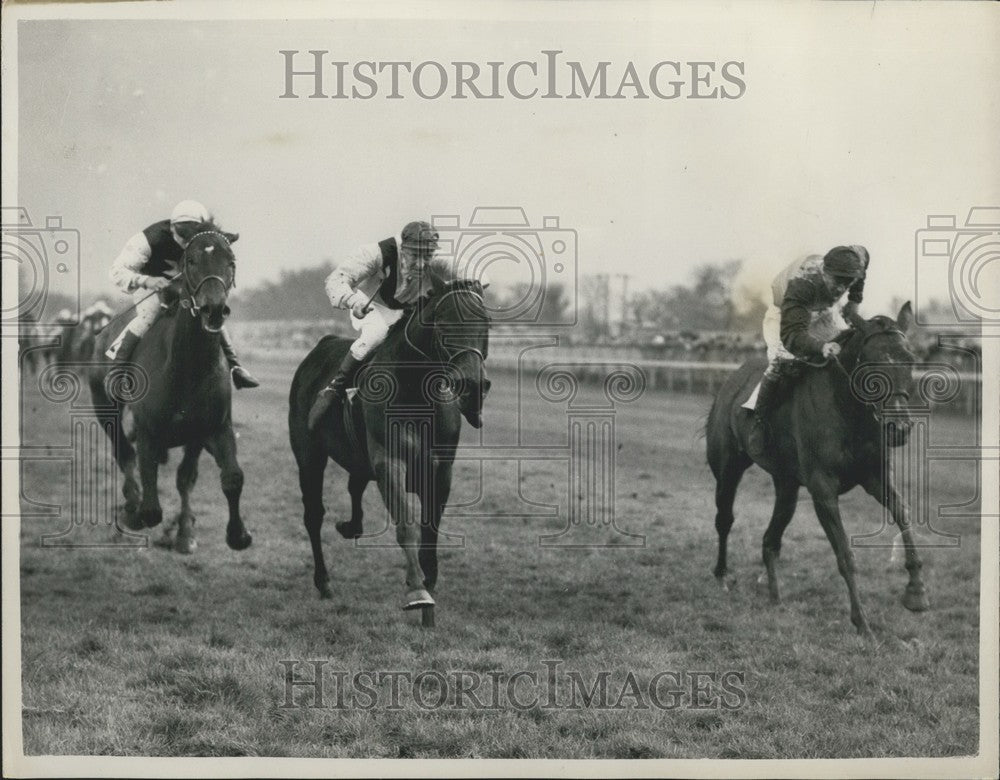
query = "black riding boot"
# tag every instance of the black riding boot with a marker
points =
(127, 346)
(241, 377)
(767, 399)
(336, 389)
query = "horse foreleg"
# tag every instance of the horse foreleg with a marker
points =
(915, 596)
(125, 457)
(432, 507)
(353, 529)
(311, 469)
(406, 514)
(223, 449)
(150, 513)
(828, 511)
(187, 475)
(786, 494)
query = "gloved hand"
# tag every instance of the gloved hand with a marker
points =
(156, 283)
(360, 306)
(831, 349)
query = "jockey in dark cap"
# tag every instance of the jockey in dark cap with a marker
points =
(807, 313)
(377, 283)
(149, 263)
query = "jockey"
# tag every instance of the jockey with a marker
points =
(377, 282)
(804, 317)
(148, 264)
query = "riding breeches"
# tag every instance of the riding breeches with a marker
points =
(373, 327)
(147, 307)
(825, 325)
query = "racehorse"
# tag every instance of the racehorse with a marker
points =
(404, 427)
(179, 393)
(832, 432)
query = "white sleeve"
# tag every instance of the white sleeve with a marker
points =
(341, 285)
(125, 269)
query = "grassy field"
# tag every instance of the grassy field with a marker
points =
(146, 652)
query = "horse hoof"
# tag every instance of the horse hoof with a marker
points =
(166, 541)
(150, 518)
(185, 545)
(916, 601)
(131, 521)
(349, 530)
(324, 591)
(418, 598)
(239, 542)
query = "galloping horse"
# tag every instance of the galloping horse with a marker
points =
(830, 434)
(405, 426)
(183, 398)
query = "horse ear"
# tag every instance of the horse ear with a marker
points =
(905, 318)
(232, 238)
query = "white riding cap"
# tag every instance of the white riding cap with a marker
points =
(188, 211)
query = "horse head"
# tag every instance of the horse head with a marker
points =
(460, 325)
(208, 272)
(882, 376)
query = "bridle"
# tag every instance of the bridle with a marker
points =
(875, 405)
(191, 303)
(449, 356)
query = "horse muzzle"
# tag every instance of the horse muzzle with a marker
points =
(470, 402)
(897, 432)
(213, 317)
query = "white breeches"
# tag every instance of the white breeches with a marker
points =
(147, 307)
(374, 327)
(825, 325)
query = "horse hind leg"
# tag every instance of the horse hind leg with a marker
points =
(727, 477)
(786, 494)
(354, 528)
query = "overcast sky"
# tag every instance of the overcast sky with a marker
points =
(857, 121)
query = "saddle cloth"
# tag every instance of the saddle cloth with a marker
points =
(751, 402)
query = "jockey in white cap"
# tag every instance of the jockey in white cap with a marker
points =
(378, 283)
(149, 263)
(806, 314)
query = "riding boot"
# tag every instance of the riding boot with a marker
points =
(241, 377)
(127, 346)
(767, 399)
(336, 389)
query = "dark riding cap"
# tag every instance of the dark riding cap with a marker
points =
(420, 238)
(846, 261)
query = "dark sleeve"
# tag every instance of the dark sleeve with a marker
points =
(795, 319)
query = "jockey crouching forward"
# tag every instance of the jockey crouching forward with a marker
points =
(149, 263)
(378, 283)
(803, 319)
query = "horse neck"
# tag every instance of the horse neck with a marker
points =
(193, 345)
(840, 371)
